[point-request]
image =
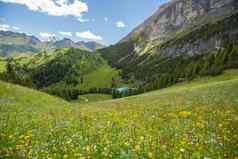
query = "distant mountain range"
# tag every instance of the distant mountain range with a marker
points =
(13, 43)
(67, 43)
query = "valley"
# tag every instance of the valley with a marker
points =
(168, 89)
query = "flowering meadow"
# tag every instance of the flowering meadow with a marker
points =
(194, 120)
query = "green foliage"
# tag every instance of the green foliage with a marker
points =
(72, 69)
(159, 72)
(115, 52)
(68, 92)
(101, 77)
(2, 65)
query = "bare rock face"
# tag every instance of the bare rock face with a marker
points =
(177, 16)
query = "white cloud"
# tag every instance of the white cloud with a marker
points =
(106, 19)
(47, 36)
(15, 28)
(54, 7)
(88, 35)
(65, 33)
(120, 24)
(4, 27)
(82, 20)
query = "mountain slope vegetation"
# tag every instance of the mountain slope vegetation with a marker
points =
(195, 119)
(64, 72)
(12, 43)
(195, 52)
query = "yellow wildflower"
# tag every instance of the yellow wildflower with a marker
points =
(30, 152)
(137, 147)
(88, 148)
(200, 125)
(184, 114)
(142, 138)
(220, 125)
(150, 155)
(10, 136)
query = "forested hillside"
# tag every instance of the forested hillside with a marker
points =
(168, 62)
(64, 72)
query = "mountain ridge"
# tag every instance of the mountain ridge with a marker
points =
(204, 45)
(175, 16)
(12, 43)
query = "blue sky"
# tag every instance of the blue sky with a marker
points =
(106, 21)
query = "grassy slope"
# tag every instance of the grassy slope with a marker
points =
(27, 98)
(89, 98)
(2, 65)
(100, 78)
(191, 120)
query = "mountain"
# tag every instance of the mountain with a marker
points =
(183, 39)
(13, 43)
(175, 17)
(91, 45)
(64, 43)
(68, 43)
(9, 37)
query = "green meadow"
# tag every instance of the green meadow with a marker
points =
(100, 77)
(195, 120)
(89, 98)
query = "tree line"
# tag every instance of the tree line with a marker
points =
(60, 78)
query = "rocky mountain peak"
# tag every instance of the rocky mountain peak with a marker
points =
(177, 15)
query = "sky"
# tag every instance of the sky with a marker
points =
(105, 21)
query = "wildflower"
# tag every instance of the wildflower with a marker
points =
(200, 125)
(10, 136)
(137, 147)
(88, 148)
(220, 125)
(184, 114)
(30, 152)
(19, 146)
(182, 150)
(150, 155)
(126, 143)
(142, 138)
